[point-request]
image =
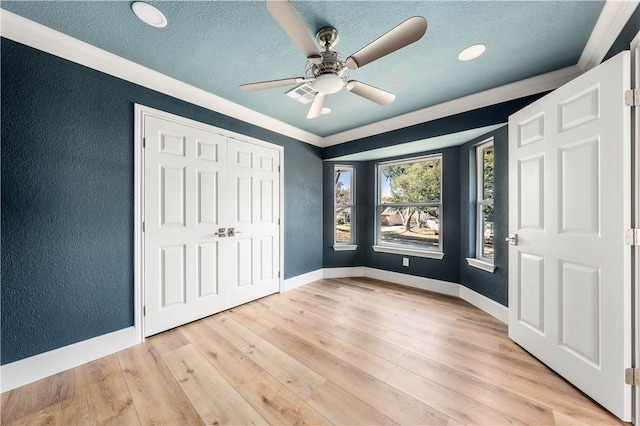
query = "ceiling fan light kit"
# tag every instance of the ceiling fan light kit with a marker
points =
(326, 71)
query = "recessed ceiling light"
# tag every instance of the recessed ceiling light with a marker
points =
(472, 52)
(149, 14)
(325, 111)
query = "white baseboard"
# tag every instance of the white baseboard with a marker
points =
(491, 307)
(303, 279)
(422, 283)
(355, 271)
(43, 365)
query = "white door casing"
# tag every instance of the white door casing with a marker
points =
(570, 204)
(635, 71)
(188, 270)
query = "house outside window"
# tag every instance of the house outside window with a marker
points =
(485, 190)
(409, 207)
(344, 208)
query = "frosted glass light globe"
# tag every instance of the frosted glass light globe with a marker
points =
(327, 84)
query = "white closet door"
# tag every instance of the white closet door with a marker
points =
(184, 207)
(570, 204)
(254, 174)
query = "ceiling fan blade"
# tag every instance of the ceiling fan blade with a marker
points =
(262, 85)
(287, 17)
(403, 35)
(379, 96)
(316, 106)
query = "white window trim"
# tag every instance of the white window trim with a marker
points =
(481, 264)
(345, 247)
(481, 261)
(429, 254)
(351, 245)
(381, 248)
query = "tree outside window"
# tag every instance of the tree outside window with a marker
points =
(410, 203)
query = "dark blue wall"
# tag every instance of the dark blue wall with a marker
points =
(493, 285)
(67, 199)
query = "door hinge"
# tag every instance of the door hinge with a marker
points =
(144, 311)
(278, 274)
(632, 237)
(632, 97)
(632, 376)
(142, 226)
(144, 142)
(278, 169)
(278, 221)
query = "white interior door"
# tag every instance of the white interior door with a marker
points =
(184, 172)
(570, 204)
(254, 206)
(196, 183)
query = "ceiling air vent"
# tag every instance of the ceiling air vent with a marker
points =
(303, 93)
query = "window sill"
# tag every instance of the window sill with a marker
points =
(344, 247)
(417, 253)
(481, 264)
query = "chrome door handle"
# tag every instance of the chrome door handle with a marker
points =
(222, 232)
(233, 232)
(512, 239)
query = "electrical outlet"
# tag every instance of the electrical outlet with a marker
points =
(405, 261)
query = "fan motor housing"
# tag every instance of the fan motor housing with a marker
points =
(327, 37)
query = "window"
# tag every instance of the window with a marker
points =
(344, 207)
(484, 211)
(484, 208)
(409, 207)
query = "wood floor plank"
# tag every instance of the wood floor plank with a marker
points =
(38, 397)
(158, 398)
(293, 374)
(259, 324)
(453, 404)
(275, 402)
(342, 408)
(168, 341)
(60, 413)
(105, 397)
(213, 397)
(396, 405)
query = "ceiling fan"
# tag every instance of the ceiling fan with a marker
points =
(326, 71)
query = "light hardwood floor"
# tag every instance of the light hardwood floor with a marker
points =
(343, 351)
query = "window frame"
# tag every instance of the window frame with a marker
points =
(351, 245)
(379, 246)
(480, 261)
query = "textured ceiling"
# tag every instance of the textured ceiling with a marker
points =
(218, 45)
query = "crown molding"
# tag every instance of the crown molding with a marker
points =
(27, 32)
(614, 16)
(518, 89)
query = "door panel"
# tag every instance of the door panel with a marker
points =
(570, 204)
